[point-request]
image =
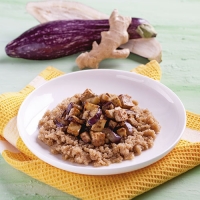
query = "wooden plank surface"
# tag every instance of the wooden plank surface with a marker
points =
(178, 25)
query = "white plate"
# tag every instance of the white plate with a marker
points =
(161, 101)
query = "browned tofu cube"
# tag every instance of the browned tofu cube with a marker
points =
(87, 94)
(112, 124)
(116, 101)
(77, 106)
(121, 132)
(74, 128)
(99, 125)
(90, 106)
(110, 113)
(126, 101)
(105, 97)
(98, 138)
(75, 99)
(74, 111)
(85, 136)
(93, 100)
(120, 115)
(86, 114)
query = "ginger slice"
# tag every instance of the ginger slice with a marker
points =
(110, 41)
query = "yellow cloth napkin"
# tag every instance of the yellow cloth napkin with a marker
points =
(183, 157)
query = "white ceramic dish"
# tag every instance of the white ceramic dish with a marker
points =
(161, 101)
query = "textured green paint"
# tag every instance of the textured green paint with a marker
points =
(178, 25)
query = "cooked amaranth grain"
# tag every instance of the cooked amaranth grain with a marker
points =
(98, 129)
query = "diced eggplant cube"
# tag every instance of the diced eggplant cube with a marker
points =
(74, 128)
(111, 135)
(98, 138)
(94, 112)
(74, 118)
(107, 106)
(95, 116)
(120, 115)
(85, 136)
(126, 101)
(99, 125)
(129, 128)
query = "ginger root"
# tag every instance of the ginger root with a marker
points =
(110, 41)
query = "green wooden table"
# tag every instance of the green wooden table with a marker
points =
(178, 25)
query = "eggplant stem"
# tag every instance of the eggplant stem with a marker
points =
(146, 31)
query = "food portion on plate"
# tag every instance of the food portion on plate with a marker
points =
(98, 129)
(49, 107)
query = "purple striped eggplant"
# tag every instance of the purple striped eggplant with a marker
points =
(66, 37)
